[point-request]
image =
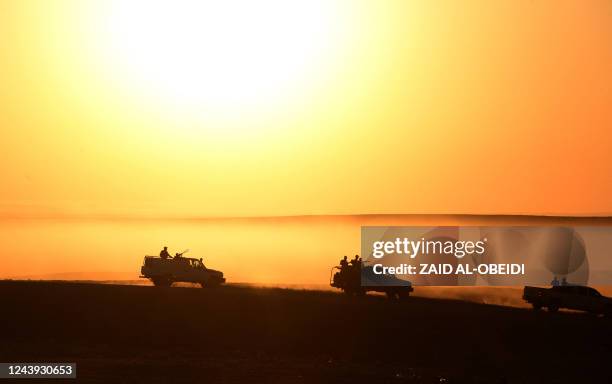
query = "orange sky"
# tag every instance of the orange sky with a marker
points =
(323, 107)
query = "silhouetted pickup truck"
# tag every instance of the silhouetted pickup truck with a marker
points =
(164, 272)
(350, 280)
(568, 296)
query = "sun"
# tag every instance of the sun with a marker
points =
(221, 56)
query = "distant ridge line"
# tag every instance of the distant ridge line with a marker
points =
(426, 217)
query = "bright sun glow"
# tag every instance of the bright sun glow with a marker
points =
(224, 57)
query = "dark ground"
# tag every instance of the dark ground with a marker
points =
(145, 334)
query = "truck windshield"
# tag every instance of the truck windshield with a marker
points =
(594, 293)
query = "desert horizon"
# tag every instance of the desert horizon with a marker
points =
(270, 248)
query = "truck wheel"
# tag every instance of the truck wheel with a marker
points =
(161, 282)
(553, 308)
(537, 306)
(392, 295)
(212, 283)
(403, 294)
(354, 293)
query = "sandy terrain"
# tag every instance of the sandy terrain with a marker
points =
(236, 334)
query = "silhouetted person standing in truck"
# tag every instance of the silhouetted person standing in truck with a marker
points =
(164, 253)
(344, 263)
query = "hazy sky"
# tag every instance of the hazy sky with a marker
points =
(279, 108)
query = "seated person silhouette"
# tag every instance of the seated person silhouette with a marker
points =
(164, 254)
